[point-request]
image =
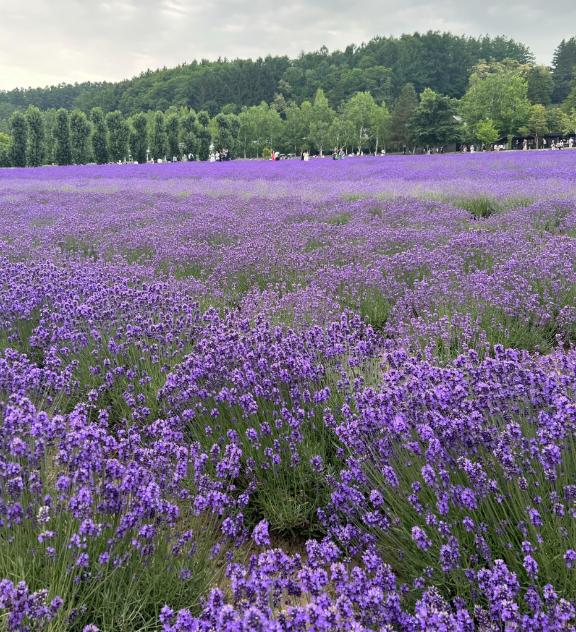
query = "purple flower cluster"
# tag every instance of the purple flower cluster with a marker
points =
(204, 366)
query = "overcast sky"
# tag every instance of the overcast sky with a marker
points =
(52, 41)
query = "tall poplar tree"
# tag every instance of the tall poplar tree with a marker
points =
(36, 136)
(189, 137)
(139, 137)
(402, 114)
(19, 141)
(159, 140)
(203, 135)
(563, 66)
(100, 136)
(62, 152)
(173, 132)
(118, 136)
(80, 137)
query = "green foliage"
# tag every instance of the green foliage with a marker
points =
(486, 132)
(62, 152)
(500, 518)
(97, 599)
(538, 122)
(347, 113)
(563, 65)
(540, 85)
(139, 137)
(501, 96)
(4, 149)
(402, 114)
(203, 137)
(360, 112)
(321, 119)
(259, 126)
(173, 135)
(440, 61)
(340, 219)
(158, 138)
(19, 140)
(118, 136)
(189, 135)
(100, 136)
(434, 122)
(36, 136)
(80, 129)
(480, 207)
(224, 138)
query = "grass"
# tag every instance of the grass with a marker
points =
(501, 519)
(479, 207)
(182, 269)
(98, 599)
(340, 219)
(78, 247)
(313, 244)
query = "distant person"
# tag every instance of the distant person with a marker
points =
(570, 142)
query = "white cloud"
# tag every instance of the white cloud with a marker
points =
(52, 41)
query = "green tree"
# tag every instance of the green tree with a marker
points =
(259, 126)
(381, 126)
(118, 136)
(538, 122)
(203, 135)
(501, 97)
(558, 121)
(401, 119)
(4, 149)
(341, 133)
(486, 132)
(321, 117)
(189, 137)
(223, 136)
(540, 85)
(62, 151)
(80, 129)
(139, 137)
(434, 121)
(296, 126)
(563, 65)
(100, 136)
(227, 128)
(158, 138)
(19, 140)
(173, 134)
(360, 112)
(36, 136)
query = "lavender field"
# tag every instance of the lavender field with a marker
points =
(289, 396)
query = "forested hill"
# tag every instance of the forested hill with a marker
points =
(440, 61)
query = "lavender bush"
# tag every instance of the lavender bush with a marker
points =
(289, 396)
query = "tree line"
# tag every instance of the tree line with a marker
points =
(382, 66)
(502, 99)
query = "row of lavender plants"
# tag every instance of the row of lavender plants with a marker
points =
(289, 397)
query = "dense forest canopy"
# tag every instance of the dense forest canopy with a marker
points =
(433, 90)
(440, 61)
